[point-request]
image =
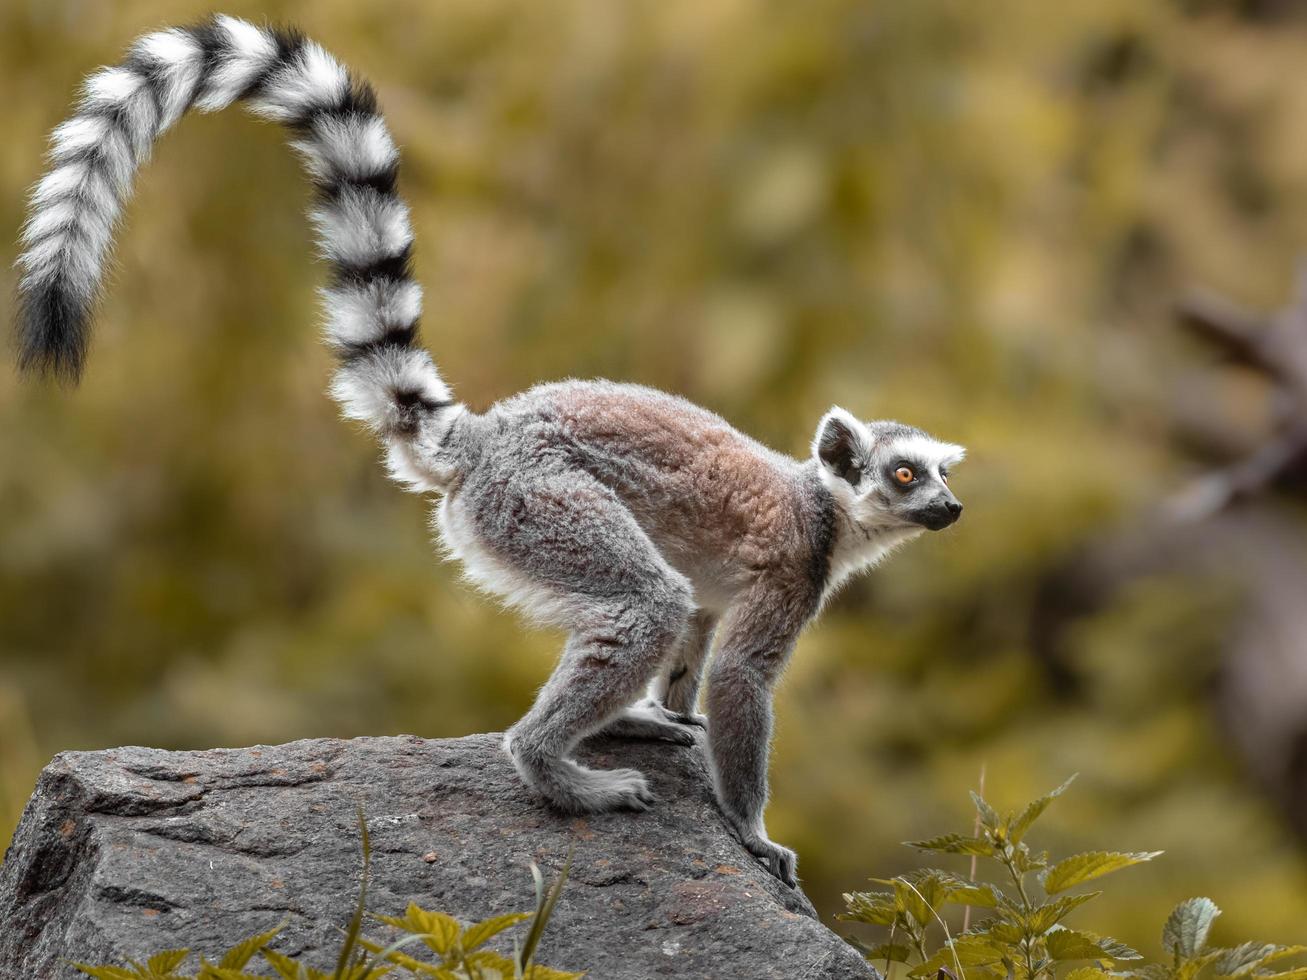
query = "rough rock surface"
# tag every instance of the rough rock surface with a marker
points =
(130, 851)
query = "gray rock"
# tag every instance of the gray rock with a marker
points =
(130, 851)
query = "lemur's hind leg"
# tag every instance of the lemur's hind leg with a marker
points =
(677, 686)
(605, 664)
(581, 555)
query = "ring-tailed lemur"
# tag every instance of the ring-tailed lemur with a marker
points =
(641, 523)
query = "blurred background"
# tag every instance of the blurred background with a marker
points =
(978, 218)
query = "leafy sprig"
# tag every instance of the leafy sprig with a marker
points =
(1185, 936)
(1024, 936)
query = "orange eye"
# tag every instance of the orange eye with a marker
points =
(904, 474)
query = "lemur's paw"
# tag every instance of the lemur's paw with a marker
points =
(658, 709)
(576, 789)
(690, 719)
(671, 732)
(621, 789)
(780, 861)
(639, 721)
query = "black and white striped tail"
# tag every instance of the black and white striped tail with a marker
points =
(372, 302)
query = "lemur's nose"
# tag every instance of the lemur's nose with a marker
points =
(954, 508)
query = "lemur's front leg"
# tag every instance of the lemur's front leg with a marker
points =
(759, 636)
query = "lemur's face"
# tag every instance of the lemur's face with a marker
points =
(885, 474)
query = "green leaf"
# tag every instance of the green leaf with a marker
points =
(283, 964)
(546, 899)
(1185, 932)
(921, 893)
(487, 962)
(1242, 959)
(1012, 912)
(440, 931)
(477, 935)
(392, 955)
(1071, 944)
(1033, 810)
(209, 971)
(912, 899)
(362, 971)
(1080, 868)
(167, 961)
(240, 954)
(1025, 861)
(1087, 973)
(1150, 971)
(1045, 916)
(973, 951)
(978, 894)
(989, 817)
(954, 844)
(1004, 930)
(933, 888)
(876, 908)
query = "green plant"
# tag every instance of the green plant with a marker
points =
(460, 948)
(1024, 936)
(461, 952)
(1185, 937)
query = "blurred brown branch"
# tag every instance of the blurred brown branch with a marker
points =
(1275, 346)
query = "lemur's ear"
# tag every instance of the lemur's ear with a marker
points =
(841, 444)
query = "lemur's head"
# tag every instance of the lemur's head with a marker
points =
(886, 474)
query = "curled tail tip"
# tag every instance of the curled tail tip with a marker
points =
(391, 390)
(52, 334)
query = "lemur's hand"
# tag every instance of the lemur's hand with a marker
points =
(780, 861)
(656, 707)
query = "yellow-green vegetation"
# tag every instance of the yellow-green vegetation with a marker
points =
(1020, 933)
(972, 216)
(459, 950)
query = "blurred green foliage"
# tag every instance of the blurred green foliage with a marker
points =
(969, 216)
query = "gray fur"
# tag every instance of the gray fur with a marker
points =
(644, 525)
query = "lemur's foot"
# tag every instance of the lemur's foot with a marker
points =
(649, 720)
(691, 718)
(660, 710)
(780, 861)
(600, 790)
(573, 788)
